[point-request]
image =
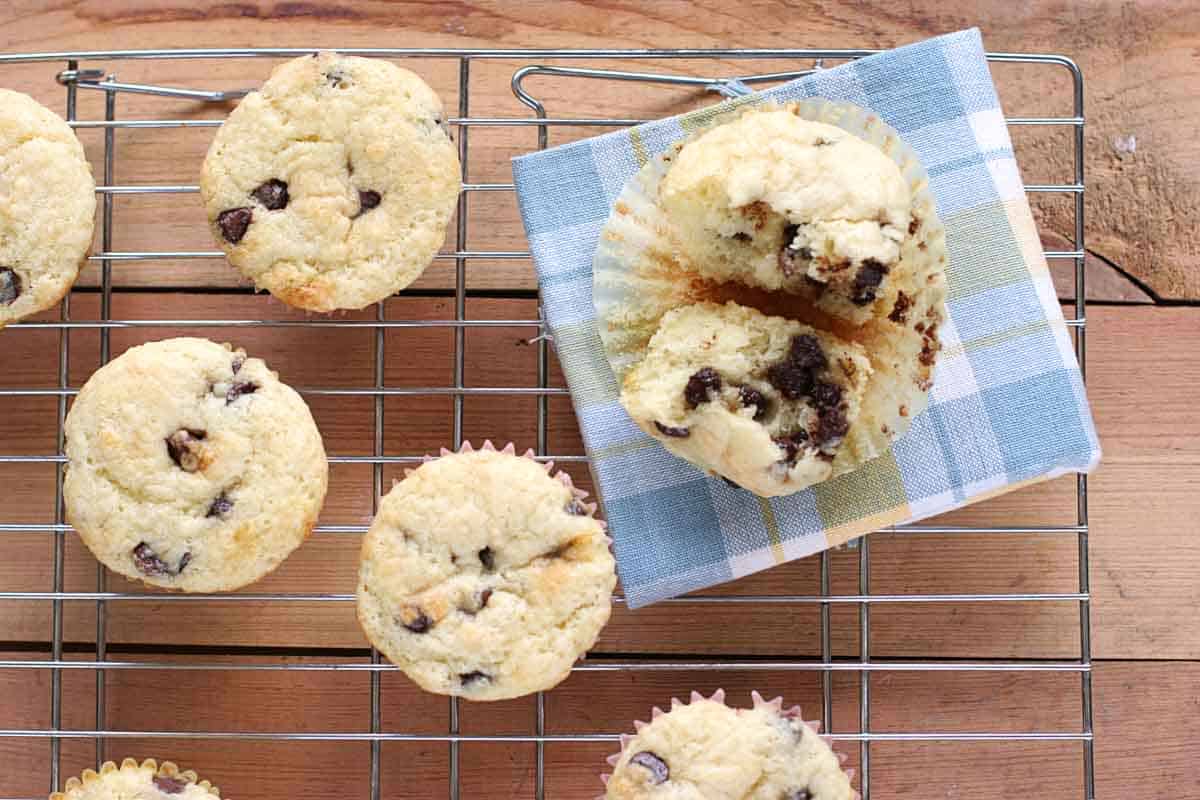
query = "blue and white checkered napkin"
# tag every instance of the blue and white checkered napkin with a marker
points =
(1007, 406)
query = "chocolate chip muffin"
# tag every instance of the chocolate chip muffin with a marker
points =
(331, 187)
(484, 576)
(763, 401)
(779, 202)
(705, 749)
(132, 781)
(47, 207)
(192, 467)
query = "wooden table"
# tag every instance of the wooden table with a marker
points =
(1145, 499)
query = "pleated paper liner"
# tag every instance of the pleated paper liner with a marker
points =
(639, 275)
(131, 778)
(774, 706)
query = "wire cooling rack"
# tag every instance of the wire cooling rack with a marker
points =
(78, 72)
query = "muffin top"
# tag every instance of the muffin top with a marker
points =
(133, 781)
(484, 576)
(331, 187)
(705, 749)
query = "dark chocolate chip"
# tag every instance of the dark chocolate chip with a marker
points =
(789, 259)
(900, 310)
(336, 78)
(675, 433)
(273, 194)
(169, 785)
(367, 200)
(183, 562)
(148, 562)
(805, 352)
(475, 676)
(10, 285)
(792, 444)
(831, 427)
(184, 449)
(792, 381)
(484, 596)
(827, 395)
(576, 509)
(742, 236)
(700, 386)
(234, 223)
(658, 768)
(478, 602)
(487, 558)
(238, 389)
(419, 624)
(749, 397)
(913, 225)
(238, 362)
(220, 507)
(869, 276)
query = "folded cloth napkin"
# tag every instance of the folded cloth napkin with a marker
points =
(1007, 406)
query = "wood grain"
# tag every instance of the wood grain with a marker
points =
(1131, 699)
(1141, 208)
(1143, 178)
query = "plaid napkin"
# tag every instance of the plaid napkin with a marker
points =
(1007, 407)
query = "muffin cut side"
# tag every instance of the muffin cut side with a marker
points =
(763, 401)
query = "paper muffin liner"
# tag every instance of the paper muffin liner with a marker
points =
(510, 449)
(639, 275)
(166, 770)
(775, 706)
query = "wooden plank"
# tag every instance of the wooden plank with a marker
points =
(1144, 621)
(1141, 158)
(1145, 552)
(1131, 698)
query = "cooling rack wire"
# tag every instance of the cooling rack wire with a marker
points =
(78, 71)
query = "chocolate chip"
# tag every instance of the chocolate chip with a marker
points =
(792, 444)
(792, 381)
(913, 225)
(273, 194)
(238, 362)
(367, 200)
(676, 433)
(700, 387)
(576, 509)
(480, 601)
(234, 223)
(183, 446)
(220, 507)
(488, 559)
(827, 395)
(900, 310)
(148, 562)
(799, 794)
(750, 397)
(742, 236)
(336, 78)
(238, 389)
(805, 352)
(10, 285)
(419, 623)
(831, 427)
(792, 260)
(475, 676)
(869, 276)
(658, 768)
(169, 785)
(183, 562)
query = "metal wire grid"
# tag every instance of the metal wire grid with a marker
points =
(74, 78)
